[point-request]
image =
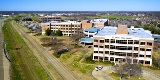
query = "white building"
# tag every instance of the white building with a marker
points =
(114, 44)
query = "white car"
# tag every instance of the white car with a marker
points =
(96, 69)
(99, 67)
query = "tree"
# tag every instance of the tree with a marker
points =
(120, 71)
(48, 32)
(75, 38)
(127, 68)
(139, 23)
(158, 25)
(59, 33)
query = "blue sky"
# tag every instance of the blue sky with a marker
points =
(79, 5)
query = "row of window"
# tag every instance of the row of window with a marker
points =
(121, 53)
(122, 47)
(116, 59)
(123, 41)
(66, 25)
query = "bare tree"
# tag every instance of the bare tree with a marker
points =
(119, 70)
(75, 38)
(127, 68)
(45, 40)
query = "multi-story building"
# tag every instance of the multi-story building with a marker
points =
(68, 28)
(119, 43)
(95, 23)
(49, 18)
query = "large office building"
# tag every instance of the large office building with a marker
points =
(68, 27)
(95, 23)
(49, 18)
(120, 43)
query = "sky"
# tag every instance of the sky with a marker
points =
(79, 5)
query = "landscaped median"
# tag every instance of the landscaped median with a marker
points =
(24, 65)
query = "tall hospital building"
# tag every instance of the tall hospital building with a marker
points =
(118, 43)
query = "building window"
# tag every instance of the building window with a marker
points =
(129, 48)
(136, 48)
(112, 53)
(95, 45)
(141, 55)
(112, 47)
(106, 46)
(95, 40)
(95, 57)
(107, 40)
(135, 54)
(149, 43)
(101, 41)
(148, 49)
(106, 52)
(101, 52)
(147, 62)
(142, 49)
(100, 46)
(141, 61)
(112, 40)
(136, 42)
(95, 51)
(148, 56)
(142, 43)
(130, 41)
(129, 54)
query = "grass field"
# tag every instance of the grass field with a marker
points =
(24, 65)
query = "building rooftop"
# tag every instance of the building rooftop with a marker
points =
(136, 32)
(98, 20)
(64, 22)
(86, 40)
(92, 29)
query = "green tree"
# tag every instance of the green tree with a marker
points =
(158, 25)
(59, 33)
(48, 32)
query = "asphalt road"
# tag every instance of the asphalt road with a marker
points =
(56, 64)
(1, 53)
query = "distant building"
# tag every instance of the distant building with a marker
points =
(95, 23)
(68, 27)
(5, 15)
(49, 18)
(118, 43)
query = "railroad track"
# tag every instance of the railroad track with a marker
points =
(56, 64)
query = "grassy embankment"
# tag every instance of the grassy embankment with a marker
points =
(24, 65)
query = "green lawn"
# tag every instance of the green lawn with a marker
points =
(24, 65)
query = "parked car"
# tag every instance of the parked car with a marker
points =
(98, 68)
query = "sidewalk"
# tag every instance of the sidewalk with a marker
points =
(6, 66)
